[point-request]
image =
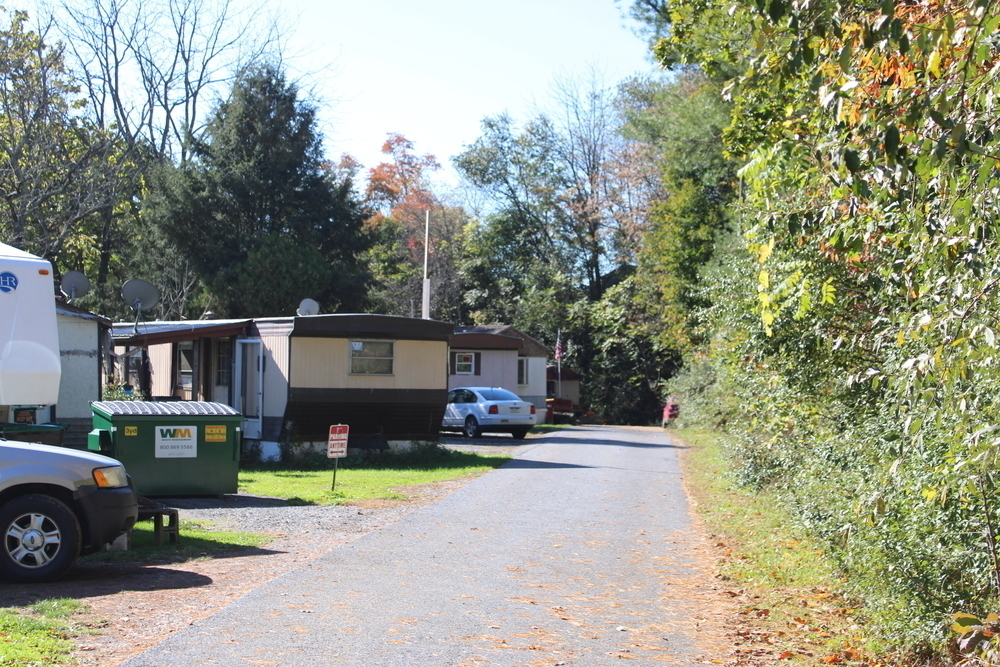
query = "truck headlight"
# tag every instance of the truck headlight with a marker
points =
(111, 478)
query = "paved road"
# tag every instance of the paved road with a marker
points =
(579, 552)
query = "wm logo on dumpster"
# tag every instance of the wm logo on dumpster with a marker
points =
(176, 442)
(175, 433)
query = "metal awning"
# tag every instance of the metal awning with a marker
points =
(154, 333)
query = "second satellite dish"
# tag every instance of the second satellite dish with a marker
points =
(140, 295)
(74, 285)
(307, 307)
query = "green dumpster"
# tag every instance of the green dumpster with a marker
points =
(183, 448)
(46, 434)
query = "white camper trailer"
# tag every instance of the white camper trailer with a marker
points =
(55, 503)
(29, 340)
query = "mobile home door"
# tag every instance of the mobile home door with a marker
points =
(250, 384)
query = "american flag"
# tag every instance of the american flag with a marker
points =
(559, 348)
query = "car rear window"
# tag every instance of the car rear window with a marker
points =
(499, 395)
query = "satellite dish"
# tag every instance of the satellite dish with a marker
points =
(74, 285)
(307, 307)
(140, 295)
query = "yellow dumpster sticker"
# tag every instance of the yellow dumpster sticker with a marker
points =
(131, 430)
(215, 434)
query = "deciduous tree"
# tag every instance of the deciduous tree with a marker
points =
(680, 122)
(402, 194)
(58, 169)
(149, 72)
(152, 69)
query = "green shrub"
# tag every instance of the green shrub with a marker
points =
(904, 515)
(120, 391)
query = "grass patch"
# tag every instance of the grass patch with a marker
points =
(361, 478)
(53, 608)
(795, 608)
(37, 635)
(548, 428)
(197, 540)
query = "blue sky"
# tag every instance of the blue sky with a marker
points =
(431, 70)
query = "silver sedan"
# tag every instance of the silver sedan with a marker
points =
(478, 410)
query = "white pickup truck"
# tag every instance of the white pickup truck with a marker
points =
(55, 503)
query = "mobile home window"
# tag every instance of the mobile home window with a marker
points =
(522, 370)
(223, 362)
(465, 363)
(185, 365)
(371, 357)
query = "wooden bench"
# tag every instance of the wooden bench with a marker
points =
(150, 509)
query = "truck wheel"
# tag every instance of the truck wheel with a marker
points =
(519, 433)
(472, 427)
(41, 538)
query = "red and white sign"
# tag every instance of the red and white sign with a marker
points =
(336, 445)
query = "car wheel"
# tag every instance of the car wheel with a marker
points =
(520, 433)
(472, 427)
(41, 539)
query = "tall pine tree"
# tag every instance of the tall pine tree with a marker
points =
(258, 212)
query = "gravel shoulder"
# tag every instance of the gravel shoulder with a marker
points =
(131, 607)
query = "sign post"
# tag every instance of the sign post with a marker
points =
(336, 448)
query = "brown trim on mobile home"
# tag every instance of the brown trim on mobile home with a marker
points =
(371, 326)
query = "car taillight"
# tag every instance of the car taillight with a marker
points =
(494, 410)
(532, 409)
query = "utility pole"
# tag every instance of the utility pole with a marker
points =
(425, 311)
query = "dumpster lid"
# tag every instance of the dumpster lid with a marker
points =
(162, 408)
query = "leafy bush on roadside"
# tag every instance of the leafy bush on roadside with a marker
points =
(914, 540)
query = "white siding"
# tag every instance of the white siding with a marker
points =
(534, 391)
(498, 368)
(79, 352)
